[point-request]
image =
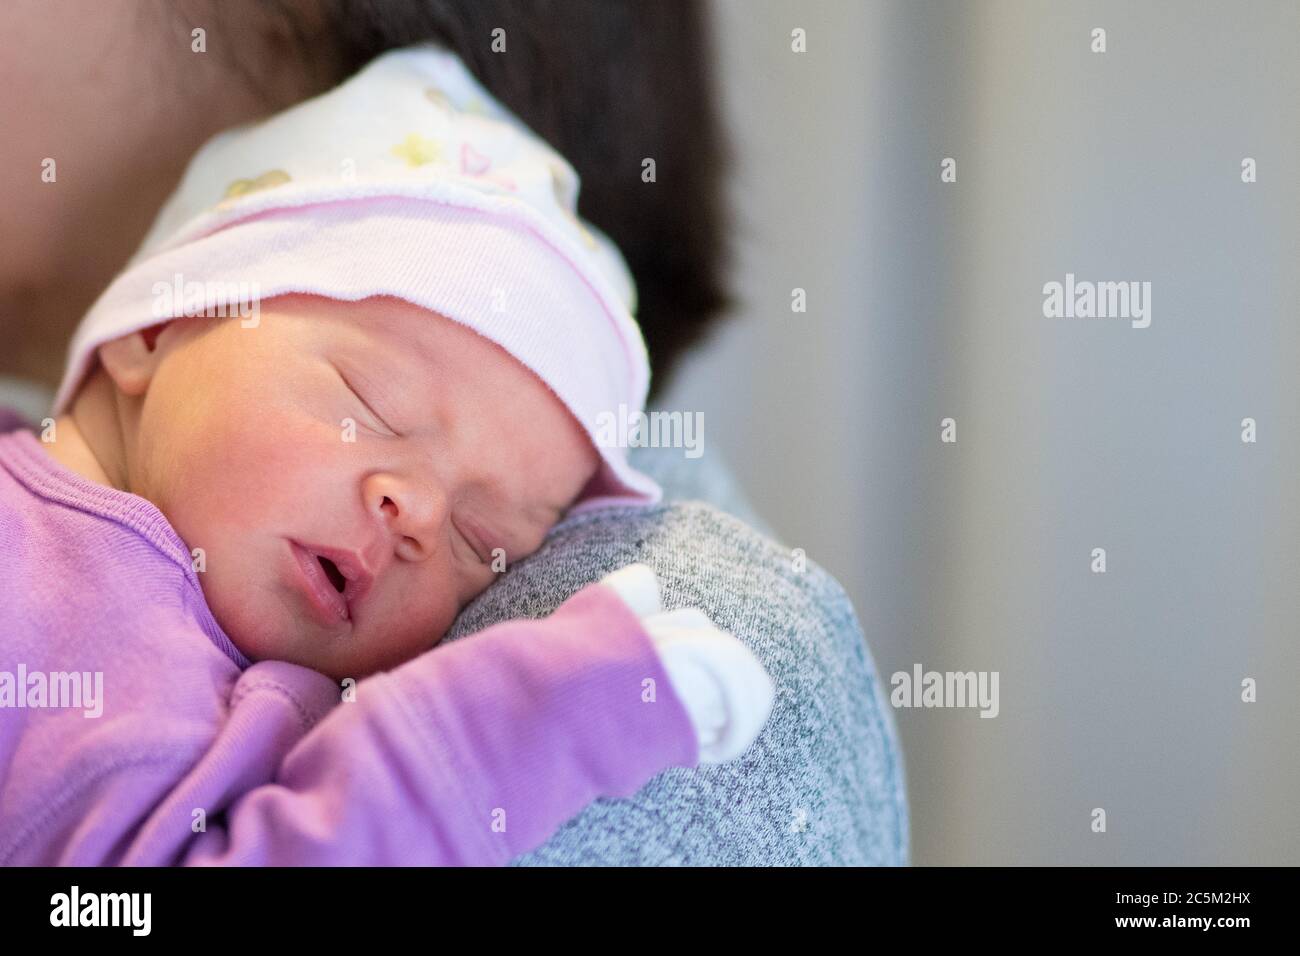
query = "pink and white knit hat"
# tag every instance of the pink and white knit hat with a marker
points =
(407, 180)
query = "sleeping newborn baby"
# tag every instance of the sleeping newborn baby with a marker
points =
(259, 505)
(344, 556)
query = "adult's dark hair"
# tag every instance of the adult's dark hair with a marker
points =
(608, 83)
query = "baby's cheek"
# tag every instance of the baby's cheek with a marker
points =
(262, 476)
(402, 630)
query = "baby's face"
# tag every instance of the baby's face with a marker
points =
(245, 444)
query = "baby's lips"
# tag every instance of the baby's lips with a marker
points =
(353, 567)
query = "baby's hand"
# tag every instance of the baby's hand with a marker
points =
(725, 690)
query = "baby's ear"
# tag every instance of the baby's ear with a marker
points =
(132, 359)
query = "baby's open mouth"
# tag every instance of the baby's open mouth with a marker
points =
(336, 580)
(333, 573)
(318, 581)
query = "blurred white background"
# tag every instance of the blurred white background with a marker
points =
(1118, 690)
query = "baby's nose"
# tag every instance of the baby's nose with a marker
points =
(415, 514)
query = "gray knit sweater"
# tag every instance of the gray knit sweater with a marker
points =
(824, 782)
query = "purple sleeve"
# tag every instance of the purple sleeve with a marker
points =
(471, 754)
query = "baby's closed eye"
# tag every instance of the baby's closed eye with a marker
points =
(474, 544)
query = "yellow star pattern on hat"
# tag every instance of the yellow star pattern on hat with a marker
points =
(267, 180)
(417, 150)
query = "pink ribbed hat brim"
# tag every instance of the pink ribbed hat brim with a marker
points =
(456, 259)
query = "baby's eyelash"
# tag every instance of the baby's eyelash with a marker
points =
(351, 388)
(473, 547)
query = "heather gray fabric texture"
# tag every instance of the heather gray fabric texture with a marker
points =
(824, 782)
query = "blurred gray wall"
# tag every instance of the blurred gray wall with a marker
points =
(1119, 690)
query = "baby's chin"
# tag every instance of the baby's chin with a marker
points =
(318, 652)
(268, 626)
(356, 652)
